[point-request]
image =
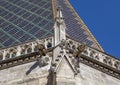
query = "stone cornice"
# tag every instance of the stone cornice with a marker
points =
(18, 60)
(101, 67)
(25, 48)
(89, 56)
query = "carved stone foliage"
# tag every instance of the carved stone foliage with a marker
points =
(78, 49)
(26, 48)
(72, 49)
(71, 60)
(102, 57)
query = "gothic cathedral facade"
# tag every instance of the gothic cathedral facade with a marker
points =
(45, 42)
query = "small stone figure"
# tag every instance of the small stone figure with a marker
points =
(80, 48)
(42, 50)
(43, 60)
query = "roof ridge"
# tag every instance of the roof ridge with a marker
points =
(84, 26)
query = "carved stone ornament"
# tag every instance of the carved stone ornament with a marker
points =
(80, 49)
(42, 50)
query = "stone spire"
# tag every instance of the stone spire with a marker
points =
(59, 28)
(59, 32)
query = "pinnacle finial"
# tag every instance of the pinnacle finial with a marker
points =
(59, 26)
(59, 8)
(59, 17)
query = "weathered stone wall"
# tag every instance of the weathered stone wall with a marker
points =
(26, 74)
(91, 76)
(65, 75)
(32, 74)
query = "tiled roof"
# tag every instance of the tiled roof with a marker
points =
(76, 29)
(25, 20)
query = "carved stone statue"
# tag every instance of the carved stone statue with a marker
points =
(80, 48)
(42, 50)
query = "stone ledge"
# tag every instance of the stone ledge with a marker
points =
(100, 66)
